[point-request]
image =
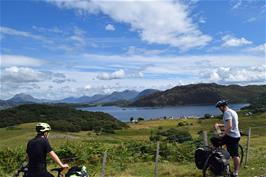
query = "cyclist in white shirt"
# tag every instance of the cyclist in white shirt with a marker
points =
(231, 136)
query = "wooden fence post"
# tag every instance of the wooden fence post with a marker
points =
(156, 160)
(247, 147)
(205, 138)
(104, 164)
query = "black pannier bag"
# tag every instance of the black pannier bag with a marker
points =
(219, 161)
(201, 155)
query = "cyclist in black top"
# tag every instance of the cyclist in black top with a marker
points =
(37, 150)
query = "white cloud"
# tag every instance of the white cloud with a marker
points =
(133, 72)
(133, 50)
(230, 41)
(79, 37)
(237, 4)
(173, 25)
(19, 60)
(109, 27)
(237, 75)
(119, 74)
(88, 87)
(14, 32)
(71, 40)
(18, 75)
(174, 61)
(258, 49)
(251, 19)
(52, 30)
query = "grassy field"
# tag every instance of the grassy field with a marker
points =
(17, 136)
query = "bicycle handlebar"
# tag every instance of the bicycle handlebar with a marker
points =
(220, 131)
(57, 169)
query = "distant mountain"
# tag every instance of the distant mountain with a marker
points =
(198, 94)
(193, 94)
(83, 99)
(5, 104)
(21, 98)
(146, 92)
(24, 98)
(126, 95)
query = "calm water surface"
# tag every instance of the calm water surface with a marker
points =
(124, 114)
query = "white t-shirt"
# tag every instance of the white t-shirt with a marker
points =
(232, 115)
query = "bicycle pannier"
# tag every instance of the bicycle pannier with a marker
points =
(77, 172)
(201, 155)
(219, 161)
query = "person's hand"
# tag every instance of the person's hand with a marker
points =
(65, 166)
(221, 135)
(216, 126)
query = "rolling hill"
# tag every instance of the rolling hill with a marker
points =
(63, 118)
(198, 94)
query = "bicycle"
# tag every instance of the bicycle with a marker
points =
(73, 171)
(210, 169)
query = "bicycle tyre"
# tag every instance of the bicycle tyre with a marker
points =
(240, 149)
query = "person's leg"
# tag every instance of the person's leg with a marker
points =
(236, 164)
(232, 147)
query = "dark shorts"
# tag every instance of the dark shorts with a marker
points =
(230, 142)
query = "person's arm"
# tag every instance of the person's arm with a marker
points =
(217, 125)
(228, 126)
(53, 155)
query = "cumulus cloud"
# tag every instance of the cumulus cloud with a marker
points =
(18, 75)
(239, 75)
(119, 74)
(231, 41)
(173, 25)
(19, 60)
(109, 27)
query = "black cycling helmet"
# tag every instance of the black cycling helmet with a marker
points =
(221, 103)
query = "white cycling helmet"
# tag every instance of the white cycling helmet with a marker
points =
(43, 127)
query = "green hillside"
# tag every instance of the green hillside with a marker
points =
(131, 151)
(198, 94)
(61, 118)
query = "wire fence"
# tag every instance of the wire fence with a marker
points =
(252, 143)
(247, 143)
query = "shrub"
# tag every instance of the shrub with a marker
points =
(140, 119)
(172, 135)
(207, 116)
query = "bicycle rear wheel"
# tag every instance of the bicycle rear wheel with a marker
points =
(206, 172)
(241, 153)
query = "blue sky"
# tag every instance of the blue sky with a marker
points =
(54, 49)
